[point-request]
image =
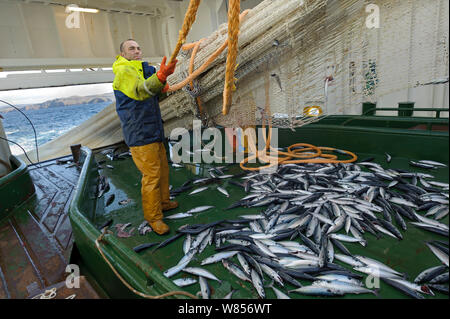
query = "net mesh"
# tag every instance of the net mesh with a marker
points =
(297, 54)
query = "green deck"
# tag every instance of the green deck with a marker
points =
(144, 270)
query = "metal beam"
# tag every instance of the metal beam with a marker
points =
(54, 79)
(62, 63)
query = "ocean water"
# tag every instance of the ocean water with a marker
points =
(49, 123)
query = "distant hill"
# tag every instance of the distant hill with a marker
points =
(61, 102)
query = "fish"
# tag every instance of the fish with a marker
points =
(144, 228)
(343, 287)
(314, 290)
(177, 268)
(110, 200)
(429, 273)
(198, 190)
(235, 270)
(421, 165)
(402, 287)
(230, 294)
(279, 294)
(178, 216)
(124, 202)
(204, 288)
(201, 273)
(183, 282)
(199, 209)
(168, 241)
(218, 257)
(121, 230)
(443, 257)
(341, 278)
(187, 243)
(434, 163)
(142, 247)
(388, 157)
(372, 262)
(223, 191)
(257, 284)
(441, 279)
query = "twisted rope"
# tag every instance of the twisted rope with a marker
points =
(233, 31)
(189, 19)
(203, 67)
(143, 295)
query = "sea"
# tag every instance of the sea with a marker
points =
(49, 123)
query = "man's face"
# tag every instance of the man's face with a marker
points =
(131, 51)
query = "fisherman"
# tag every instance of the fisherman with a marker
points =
(137, 88)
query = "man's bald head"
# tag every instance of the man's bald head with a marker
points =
(130, 50)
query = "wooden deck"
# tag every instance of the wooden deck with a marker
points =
(36, 238)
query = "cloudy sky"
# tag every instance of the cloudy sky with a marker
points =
(32, 96)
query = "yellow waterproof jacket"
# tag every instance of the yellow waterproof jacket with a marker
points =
(136, 88)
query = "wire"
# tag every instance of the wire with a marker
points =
(20, 147)
(35, 135)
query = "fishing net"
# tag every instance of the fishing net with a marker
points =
(296, 55)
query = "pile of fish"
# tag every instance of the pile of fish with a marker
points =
(309, 213)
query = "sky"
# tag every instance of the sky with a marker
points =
(33, 96)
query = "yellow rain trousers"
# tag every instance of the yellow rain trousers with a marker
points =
(151, 160)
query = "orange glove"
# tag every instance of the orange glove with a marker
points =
(165, 89)
(166, 70)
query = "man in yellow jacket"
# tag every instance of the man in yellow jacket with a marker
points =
(137, 86)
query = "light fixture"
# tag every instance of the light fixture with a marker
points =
(72, 7)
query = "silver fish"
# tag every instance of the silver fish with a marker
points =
(235, 270)
(199, 209)
(257, 283)
(218, 257)
(204, 288)
(272, 274)
(244, 264)
(178, 216)
(343, 287)
(432, 163)
(278, 293)
(223, 191)
(183, 282)
(318, 291)
(176, 269)
(377, 264)
(201, 272)
(187, 243)
(198, 190)
(443, 257)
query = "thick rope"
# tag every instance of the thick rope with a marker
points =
(233, 32)
(170, 293)
(189, 19)
(212, 57)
